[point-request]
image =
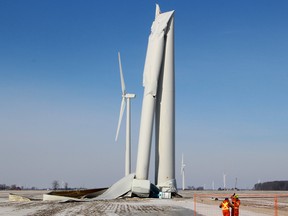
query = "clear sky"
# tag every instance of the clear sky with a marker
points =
(60, 89)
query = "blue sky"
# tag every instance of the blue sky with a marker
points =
(60, 89)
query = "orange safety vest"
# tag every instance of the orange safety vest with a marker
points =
(237, 204)
(236, 207)
(225, 205)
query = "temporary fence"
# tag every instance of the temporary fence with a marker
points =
(258, 204)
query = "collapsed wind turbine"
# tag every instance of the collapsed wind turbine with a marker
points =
(125, 100)
(158, 107)
(159, 104)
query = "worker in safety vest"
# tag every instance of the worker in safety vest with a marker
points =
(233, 199)
(225, 205)
(236, 206)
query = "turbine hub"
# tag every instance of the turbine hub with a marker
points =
(130, 95)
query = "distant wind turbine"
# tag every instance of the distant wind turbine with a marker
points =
(224, 181)
(183, 173)
(125, 100)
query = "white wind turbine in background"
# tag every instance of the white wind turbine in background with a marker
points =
(224, 181)
(125, 100)
(182, 172)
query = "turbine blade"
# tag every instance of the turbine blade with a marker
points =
(157, 11)
(121, 75)
(122, 108)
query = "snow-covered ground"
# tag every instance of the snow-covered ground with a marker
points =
(119, 207)
(131, 206)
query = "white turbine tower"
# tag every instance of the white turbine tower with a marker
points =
(158, 106)
(183, 173)
(125, 100)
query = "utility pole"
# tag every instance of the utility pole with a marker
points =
(224, 181)
(235, 184)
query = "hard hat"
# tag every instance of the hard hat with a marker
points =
(236, 196)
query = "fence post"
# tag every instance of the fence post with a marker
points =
(276, 205)
(194, 204)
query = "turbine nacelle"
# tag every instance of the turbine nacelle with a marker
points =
(129, 95)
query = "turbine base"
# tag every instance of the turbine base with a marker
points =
(141, 188)
(168, 186)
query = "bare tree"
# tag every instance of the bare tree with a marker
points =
(66, 186)
(55, 185)
(13, 187)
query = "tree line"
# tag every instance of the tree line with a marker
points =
(10, 187)
(274, 185)
(55, 186)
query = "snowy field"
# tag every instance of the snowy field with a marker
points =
(205, 205)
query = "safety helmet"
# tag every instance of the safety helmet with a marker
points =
(236, 196)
